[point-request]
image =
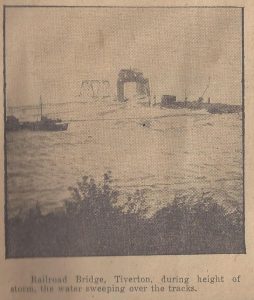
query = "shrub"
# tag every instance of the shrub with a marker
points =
(93, 223)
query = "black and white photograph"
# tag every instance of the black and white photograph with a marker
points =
(124, 131)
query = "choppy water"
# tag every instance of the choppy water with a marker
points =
(161, 151)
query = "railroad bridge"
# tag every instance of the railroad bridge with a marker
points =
(129, 75)
(95, 88)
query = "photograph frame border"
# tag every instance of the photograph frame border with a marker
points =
(5, 7)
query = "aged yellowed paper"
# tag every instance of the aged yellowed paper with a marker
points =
(126, 150)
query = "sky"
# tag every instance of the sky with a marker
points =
(49, 51)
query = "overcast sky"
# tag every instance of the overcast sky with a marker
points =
(51, 50)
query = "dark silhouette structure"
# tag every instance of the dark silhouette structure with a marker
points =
(129, 75)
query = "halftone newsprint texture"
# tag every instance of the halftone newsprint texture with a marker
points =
(124, 131)
(127, 141)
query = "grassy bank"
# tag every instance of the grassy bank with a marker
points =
(93, 223)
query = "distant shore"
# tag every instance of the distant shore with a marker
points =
(213, 108)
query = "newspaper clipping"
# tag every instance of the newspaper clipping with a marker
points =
(126, 162)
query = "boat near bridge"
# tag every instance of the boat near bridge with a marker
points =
(44, 124)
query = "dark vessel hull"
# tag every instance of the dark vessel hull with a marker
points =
(45, 124)
(37, 126)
